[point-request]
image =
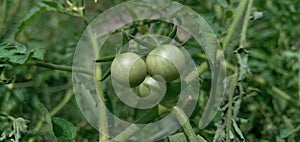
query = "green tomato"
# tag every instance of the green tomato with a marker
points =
(167, 61)
(128, 69)
(144, 90)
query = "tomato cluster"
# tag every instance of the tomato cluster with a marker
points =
(130, 70)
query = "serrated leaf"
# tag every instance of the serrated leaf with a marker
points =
(28, 17)
(179, 137)
(38, 53)
(14, 53)
(238, 131)
(63, 129)
(20, 127)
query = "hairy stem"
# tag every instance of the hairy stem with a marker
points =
(103, 128)
(102, 109)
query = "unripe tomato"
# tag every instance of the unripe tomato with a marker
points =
(167, 61)
(149, 83)
(128, 69)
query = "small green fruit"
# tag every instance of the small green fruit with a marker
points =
(128, 69)
(167, 61)
(149, 83)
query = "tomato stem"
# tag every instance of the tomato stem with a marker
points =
(58, 67)
(187, 127)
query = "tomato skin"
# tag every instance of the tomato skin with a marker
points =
(167, 61)
(128, 69)
(149, 83)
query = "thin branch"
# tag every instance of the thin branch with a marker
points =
(234, 24)
(231, 89)
(62, 103)
(245, 25)
(126, 133)
(59, 67)
(187, 127)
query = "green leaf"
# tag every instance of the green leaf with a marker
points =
(63, 129)
(14, 53)
(288, 131)
(45, 117)
(179, 137)
(39, 52)
(20, 127)
(200, 139)
(238, 131)
(28, 17)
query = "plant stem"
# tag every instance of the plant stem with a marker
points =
(83, 13)
(103, 128)
(58, 67)
(195, 74)
(106, 59)
(236, 19)
(127, 28)
(62, 103)
(231, 88)
(245, 25)
(233, 83)
(56, 109)
(187, 127)
(3, 114)
(102, 111)
(106, 75)
(281, 93)
(126, 133)
(142, 42)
